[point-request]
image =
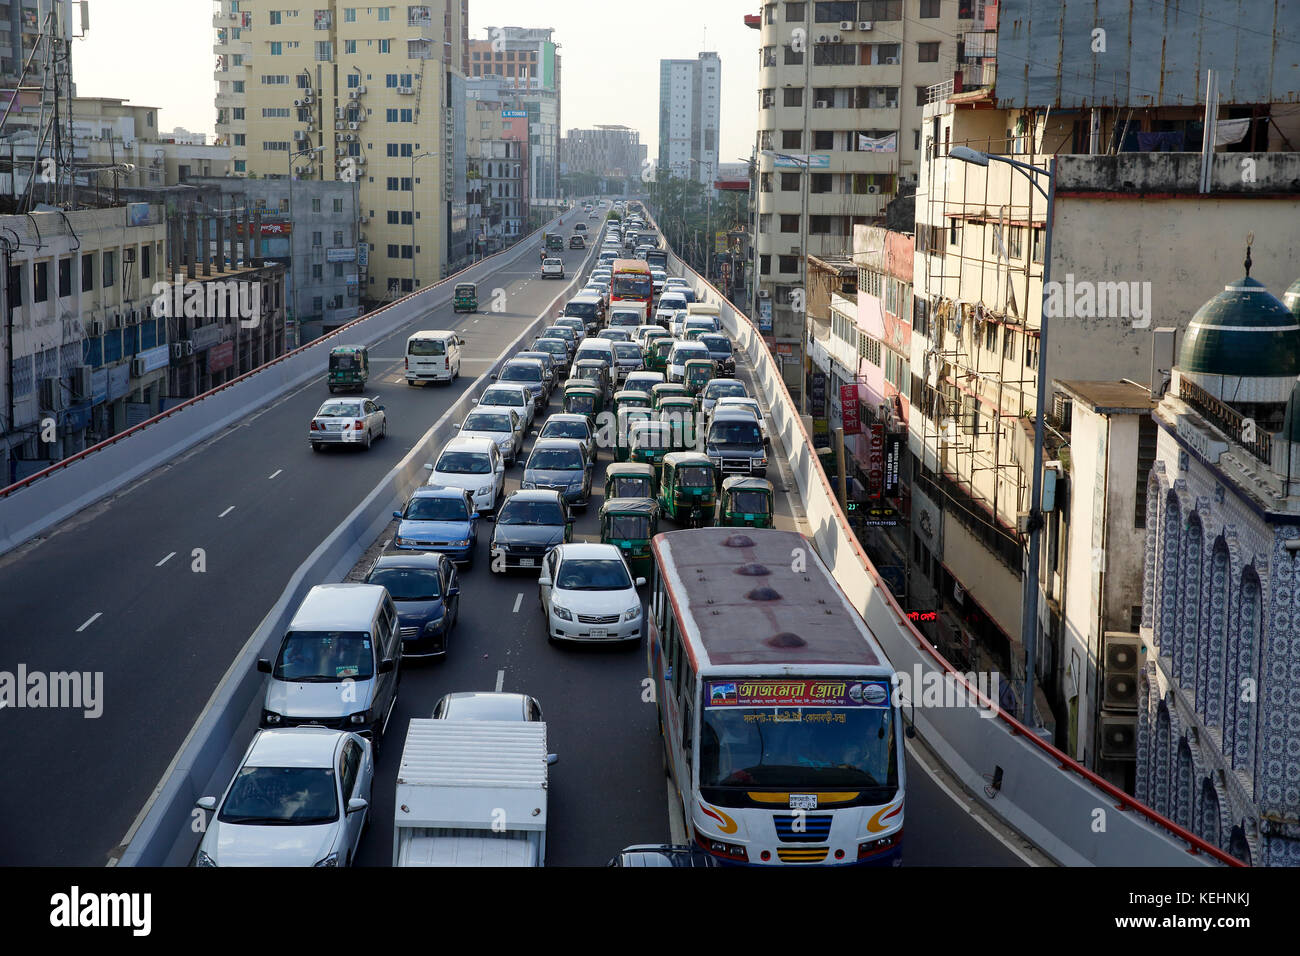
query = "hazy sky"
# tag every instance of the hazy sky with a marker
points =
(159, 53)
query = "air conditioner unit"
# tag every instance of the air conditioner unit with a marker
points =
(1121, 658)
(307, 100)
(338, 124)
(846, 24)
(363, 219)
(1118, 733)
(116, 320)
(83, 382)
(764, 294)
(300, 134)
(835, 38)
(348, 137)
(311, 127)
(821, 104)
(297, 103)
(864, 24)
(51, 394)
(406, 90)
(353, 94)
(892, 60)
(823, 38)
(891, 104)
(137, 368)
(341, 151)
(188, 346)
(873, 189)
(361, 160)
(95, 328)
(354, 126)
(361, 90)
(339, 112)
(178, 350)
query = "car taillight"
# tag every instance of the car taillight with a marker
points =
(408, 362)
(358, 424)
(314, 426)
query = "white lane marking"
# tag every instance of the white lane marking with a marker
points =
(501, 680)
(384, 545)
(274, 473)
(165, 560)
(519, 599)
(94, 617)
(226, 512)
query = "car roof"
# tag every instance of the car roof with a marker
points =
(427, 560)
(535, 494)
(488, 705)
(438, 491)
(729, 412)
(469, 443)
(570, 443)
(522, 360)
(729, 381)
(588, 550)
(294, 747)
(566, 417)
(338, 607)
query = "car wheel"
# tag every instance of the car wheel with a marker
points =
(369, 439)
(315, 446)
(331, 389)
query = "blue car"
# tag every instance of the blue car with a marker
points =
(441, 520)
(426, 592)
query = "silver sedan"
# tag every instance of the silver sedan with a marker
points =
(348, 421)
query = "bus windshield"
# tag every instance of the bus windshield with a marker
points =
(807, 747)
(636, 286)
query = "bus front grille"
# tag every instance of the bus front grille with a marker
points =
(802, 854)
(810, 829)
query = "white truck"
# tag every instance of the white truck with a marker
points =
(472, 793)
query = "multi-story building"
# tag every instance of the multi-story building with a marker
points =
(1122, 171)
(604, 150)
(520, 67)
(842, 85)
(1215, 667)
(356, 94)
(498, 157)
(690, 98)
(29, 28)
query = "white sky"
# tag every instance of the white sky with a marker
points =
(159, 53)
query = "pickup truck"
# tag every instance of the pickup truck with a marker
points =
(552, 268)
(471, 793)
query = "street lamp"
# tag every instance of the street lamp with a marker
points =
(1029, 621)
(293, 234)
(803, 162)
(413, 160)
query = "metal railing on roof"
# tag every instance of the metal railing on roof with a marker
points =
(1228, 420)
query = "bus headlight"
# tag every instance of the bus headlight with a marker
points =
(872, 848)
(729, 851)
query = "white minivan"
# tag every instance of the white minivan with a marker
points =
(433, 356)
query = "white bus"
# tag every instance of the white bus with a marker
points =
(775, 703)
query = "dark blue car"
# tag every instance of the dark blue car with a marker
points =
(441, 520)
(426, 592)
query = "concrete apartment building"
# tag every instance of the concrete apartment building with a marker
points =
(23, 23)
(690, 96)
(605, 150)
(842, 86)
(365, 94)
(1126, 169)
(520, 67)
(497, 149)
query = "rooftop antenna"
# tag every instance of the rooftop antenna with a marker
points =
(1250, 241)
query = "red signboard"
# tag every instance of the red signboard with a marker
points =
(221, 356)
(268, 228)
(849, 409)
(876, 462)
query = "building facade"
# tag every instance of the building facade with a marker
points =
(605, 150)
(690, 97)
(497, 147)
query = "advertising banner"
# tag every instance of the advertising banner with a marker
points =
(783, 692)
(849, 409)
(876, 462)
(221, 357)
(893, 455)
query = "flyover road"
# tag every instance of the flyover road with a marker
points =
(159, 586)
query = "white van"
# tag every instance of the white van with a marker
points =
(433, 356)
(337, 665)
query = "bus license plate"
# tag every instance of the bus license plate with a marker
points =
(803, 801)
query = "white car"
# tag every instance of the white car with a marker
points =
(588, 594)
(348, 421)
(643, 381)
(501, 425)
(745, 404)
(677, 324)
(639, 332)
(474, 464)
(658, 276)
(299, 798)
(505, 396)
(682, 353)
(552, 268)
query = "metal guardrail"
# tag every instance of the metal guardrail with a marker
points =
(1228, 420)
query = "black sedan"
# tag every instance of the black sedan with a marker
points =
(529, 524)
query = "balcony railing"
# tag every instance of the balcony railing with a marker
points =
(939, 92)
(1228, 420)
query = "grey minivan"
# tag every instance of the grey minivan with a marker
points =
(338, 663)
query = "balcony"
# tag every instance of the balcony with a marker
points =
(939, 92)
(1228, 420)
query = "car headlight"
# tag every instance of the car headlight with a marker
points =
(204, 860)
(485, 491)
(561, 612)
(462, 544)
(271, 718)
(358, 718)
(632, 613)
(401, 542)
(331, 860)
(762, 461)
(434, 624)
(527, 485)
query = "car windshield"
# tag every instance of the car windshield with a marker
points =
(716, 343)
(409, 584)
(281, 796)
(631, 488)
(682, 354)
(749, 502)
(339, 410)
(735, 433)
(426, 347)
(563, 429)
(583, 310)
(695, 476)
(588, 574)
(502, 396)
(791, 748)
(627, 350)
(554, 346)
(484, 422)
(725, 389)
(430, 508)
(555, 459)
(632, 286)
(531, 513)
(464, 463)
(521, 373)
(316, 657)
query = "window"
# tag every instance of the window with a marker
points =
(821, 183)
(383, 46)
(834, 12)
(793, 96)
(40, 281)
(317, 271)
(275, 18)
(920, 96)
(1009, 343)
(823, 139)
(146, 262)
(869, 349)
(789, 182)
(316, 239)
(1031, 351)
(927, 52)
(1038, 244)
(1016, 245)
(110, 268)
(990, 336)
(793, 57)
(795, 12)
(954, 232)
(277, 48)
(349, 46)
(384, 14)
(789, 223)
(65, 277)
(791, 138)
(880, 10)
(349, 14)
(929, 9)
(764, 223)
(835, 54)
(787, 264)
(88, 272)
(765, 265)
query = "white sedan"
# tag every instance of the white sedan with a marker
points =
(348, 421)
(588, 594)
(506, 395)
(502, 425)
(299, 798)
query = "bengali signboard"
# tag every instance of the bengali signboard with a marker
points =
(347, 254)
(221, 357)
(797, 693)
(514, 114)
(849, 409)
(876, 461)
(154, 358)
(799, 161)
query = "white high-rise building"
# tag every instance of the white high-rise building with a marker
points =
(689, 95)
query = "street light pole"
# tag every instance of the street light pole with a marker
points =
(1029, 620)
(293, 233)
(413, 160)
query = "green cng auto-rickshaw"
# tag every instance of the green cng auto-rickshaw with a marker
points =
(656, 359)
(629, 480)
(595, 373)
(624, 419)
(745, 502)
(555, 243)
(665, 390)
(583, 398)
(697, 373)
(465, 297)
(631, 398)
(349, 368)
(688, 488)
(679, 411)
(629, 524)
(648, 443)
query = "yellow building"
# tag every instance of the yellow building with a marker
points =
(371, 94)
